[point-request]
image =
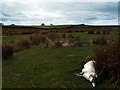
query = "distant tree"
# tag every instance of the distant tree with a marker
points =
(82, 24)
(42, 24)
(51, 24)
(12, 25)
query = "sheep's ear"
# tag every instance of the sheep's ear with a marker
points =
(94, 61)
(78, 74)
(90, 78)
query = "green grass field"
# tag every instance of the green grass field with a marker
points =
(48, 67)
(82, 35)
(13, 37)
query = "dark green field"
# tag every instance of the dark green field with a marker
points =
(39, 67)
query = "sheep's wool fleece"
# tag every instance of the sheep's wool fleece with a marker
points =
(89, 69)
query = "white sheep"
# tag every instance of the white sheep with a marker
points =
(89, 73)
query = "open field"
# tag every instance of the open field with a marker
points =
(13, 37)
(20, 30)
(40, 67)
(82, 35)
(47, 68)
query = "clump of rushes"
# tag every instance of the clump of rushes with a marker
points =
(90, 32)
(70, 40)
(99, 40)
(21, 44)
(108, 63)
(53, 40)
(38, 39)
(98, 32)
(7, 50)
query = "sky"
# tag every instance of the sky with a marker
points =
(31, 12)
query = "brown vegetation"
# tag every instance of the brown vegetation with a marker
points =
(70, 40)
(17, 30)
(55, 40)
(90, 32)
(7, 50)
(99, 41)
(37, 39)
(21, 44)
(46, 40)
(108, 63)
(98, 32)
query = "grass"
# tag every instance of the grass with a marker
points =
(46, 68)
(85, 36)
(13, 37)
(82, 35)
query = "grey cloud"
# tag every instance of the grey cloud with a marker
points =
(58, 12)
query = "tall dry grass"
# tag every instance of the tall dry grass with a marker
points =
(38, 38)
(99, 40)
(7, 50)
(21, 44)
(90, 32)
(70, 40)
(55, 40)
(108, 63)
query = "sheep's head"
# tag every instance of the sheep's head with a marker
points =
(93, 79)
(93, 84)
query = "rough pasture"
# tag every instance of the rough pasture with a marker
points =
(18, 30)
(47, 68)
(40, 67)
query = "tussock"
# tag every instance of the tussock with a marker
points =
(108, 63)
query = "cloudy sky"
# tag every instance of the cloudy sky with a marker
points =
(31, 12)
